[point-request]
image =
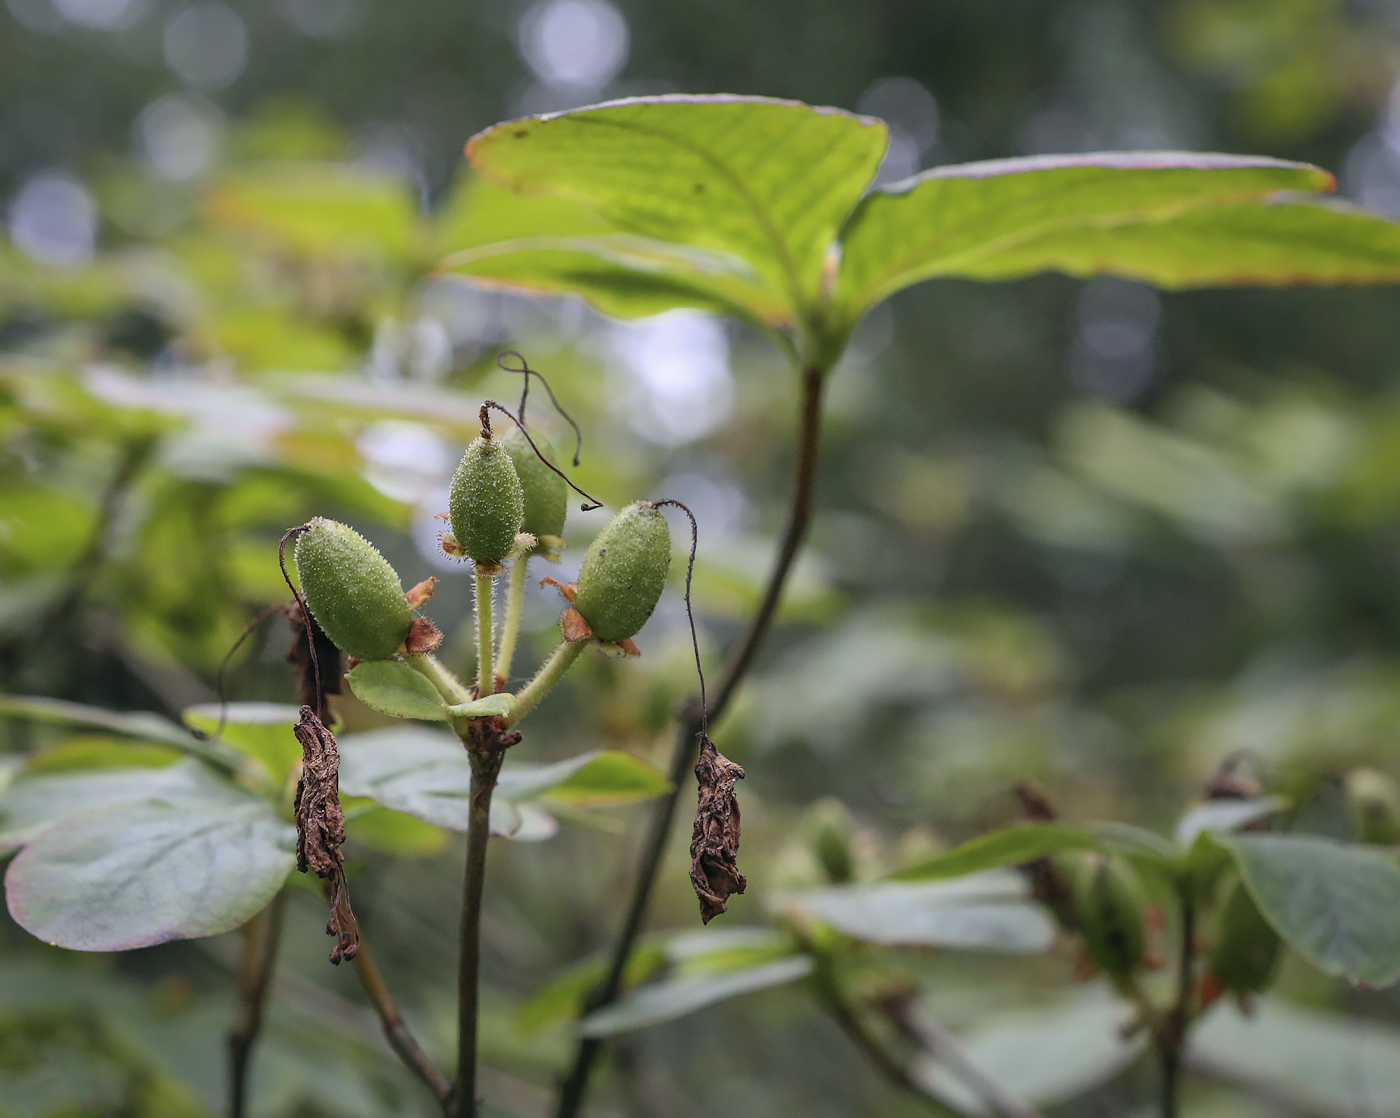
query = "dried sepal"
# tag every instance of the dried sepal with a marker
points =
(714, 844)
(423, 637)
(419, 595)
(573, 626)
(568, 589)
(320, 822)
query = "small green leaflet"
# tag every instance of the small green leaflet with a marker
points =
(392, 687)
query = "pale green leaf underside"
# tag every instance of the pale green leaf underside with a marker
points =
(489, 707)
(1175, 220)
(1334, 903)
(391, 687)
(765, 180)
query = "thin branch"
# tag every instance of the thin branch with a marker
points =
(575, 1085)
(1172, 1038)
(256, 960)
(400, 1039)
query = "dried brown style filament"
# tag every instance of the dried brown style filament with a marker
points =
(486, 429)
(528, 372)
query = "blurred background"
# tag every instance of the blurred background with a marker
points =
(1085, 534)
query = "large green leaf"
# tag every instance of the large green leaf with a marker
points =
(767, 181)
(392, 687)
(1333, 902)
(136, 874)
(987, 911)
(1172, 219)
(1008, 847)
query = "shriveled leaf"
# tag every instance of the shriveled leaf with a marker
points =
(767, 181)
(671, 998)
(136, 874)
(261, 731)
(1008, 847)
(391, 687)
(1324, 1063)
(1333, 902)
(491, 706)
(987, 911)
(1045, 1054)
(1225, 815)
(1169, 218)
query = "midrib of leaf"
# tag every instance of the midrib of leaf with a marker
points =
(760, 214)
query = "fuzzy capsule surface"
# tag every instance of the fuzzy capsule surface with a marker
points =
(486, 504)
(1112, 914)
(353, 592)
(545, 492)
(624, 572)
(1246, 951)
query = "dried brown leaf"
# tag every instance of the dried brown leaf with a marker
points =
(320, 824)
(714, 844)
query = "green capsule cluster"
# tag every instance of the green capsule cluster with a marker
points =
(546, 494)
(1246, 952)
(1112, 912)
(624, 572)
(486, 504)
(351, 590)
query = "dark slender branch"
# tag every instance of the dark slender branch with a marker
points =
(400, 1039)
(260, 938)
(574, 1087)
(1171, 1039)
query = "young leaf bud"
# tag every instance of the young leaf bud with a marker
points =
(1112, 914)
(354, 594)
(1374, 799)
(546, 493)
(623, 573)
(1246, 952)
(486, 504)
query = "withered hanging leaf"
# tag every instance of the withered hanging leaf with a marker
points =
(320, 824)
(327, 659)
(714, 844)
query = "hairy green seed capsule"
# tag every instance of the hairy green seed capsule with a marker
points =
(353, 593)
(486, 504)
(1374, 799)
(546, 494)
(623, 573)
(1112, 914)
(1246, 952)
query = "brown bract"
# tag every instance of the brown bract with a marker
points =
(714, 844)
(327, 660)
(321, 828)
(421, 593)
(423, 637)
(573, 627)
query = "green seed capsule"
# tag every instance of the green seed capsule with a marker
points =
(623, 573)
(354, 594)
(1247, 950)
(486, 504)
(1112, 914)
(1374, 799)
(546, 494)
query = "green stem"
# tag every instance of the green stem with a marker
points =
(447, 684)
(550, 673)
(260, 939)
(515, 602)
(485, 673)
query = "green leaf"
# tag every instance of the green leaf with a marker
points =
(87, 752)
(564, 998)
(987, 911)
(677, 997)
(1176, 220)
(392, 687)
(392, 832)
(1224, 815)
(767, 181)
(489, 707)
(1012, 846)
(415, 770)
(595, 779)
(1322, 1063)
(1334, 903)
(136, 874)
(261, 731)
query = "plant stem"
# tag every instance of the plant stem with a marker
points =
(486, 765)
(550, 673)
(400, 1039)
(447, 684)
(683, 754)
(260, 938)
(1173, 1037)
(515, 602)
(940, 1043)
(485, 673)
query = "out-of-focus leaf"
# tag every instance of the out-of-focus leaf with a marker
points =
(1046, 1054)
(671, 998)
(1324, 1063)
(391, 687)
(986, 911)
(1011, 846)
(40, 527)
(1332, 902)
(392, 832)
(1169, 218)
(491, 706)
(564, 998)
(767, 181)
(594, 779)
(1224, 815)
(721, 950)
(89, 752)
(261, 731)
(136, 874)
(32, 803)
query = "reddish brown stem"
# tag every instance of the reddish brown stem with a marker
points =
(260, 938)
(396, 1032)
